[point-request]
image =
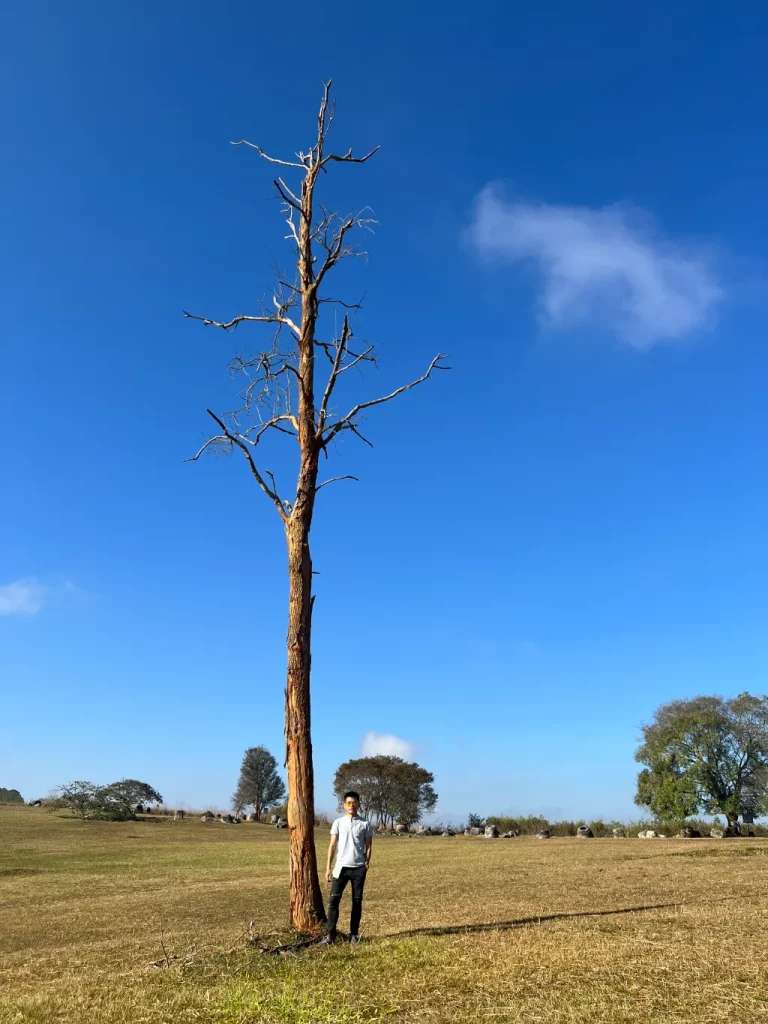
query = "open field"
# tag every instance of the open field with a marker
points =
(457, 929)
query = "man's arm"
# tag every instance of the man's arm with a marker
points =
(331, 852)
(368, 851)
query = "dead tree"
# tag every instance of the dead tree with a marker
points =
(284, 395)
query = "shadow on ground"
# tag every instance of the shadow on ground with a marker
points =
(521, 922)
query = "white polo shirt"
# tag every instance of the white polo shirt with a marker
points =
(353, 835)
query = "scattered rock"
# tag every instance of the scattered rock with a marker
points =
(544, 834)
(584, 832)
(689, 833)
(618, 833)
(491, 832)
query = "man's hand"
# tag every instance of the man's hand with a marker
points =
(328, 875)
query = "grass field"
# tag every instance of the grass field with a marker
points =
(456, 929)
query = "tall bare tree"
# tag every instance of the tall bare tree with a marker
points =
(283, 395)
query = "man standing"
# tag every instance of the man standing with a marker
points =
(351, 842)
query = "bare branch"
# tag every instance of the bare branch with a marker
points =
(282, 318)
(271, 492)
(362, 357)
(324, 121)
(348, 158)
(266, 156)
(270, 318)
(287, 195)
(291, 287)
(346, 333)
(335, 250)
(346, 422)
(292, 228)
(203, 447)
(271, 424)
(333, 479)
(356, 431)
(340, 302)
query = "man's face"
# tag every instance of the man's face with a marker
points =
(351, 805)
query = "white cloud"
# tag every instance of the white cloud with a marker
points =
(383, 743)
(22, 597)
(606, 267)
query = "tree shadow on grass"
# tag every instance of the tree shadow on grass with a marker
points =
(490, 926)
(523, 922)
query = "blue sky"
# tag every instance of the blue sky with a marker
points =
(545, 544)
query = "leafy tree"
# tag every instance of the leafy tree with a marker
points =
(259, 785)
(79, 796)
(119, 800)
(115, 802)
(706, 754)
(10, 796)
(391, 789)
(294, 387)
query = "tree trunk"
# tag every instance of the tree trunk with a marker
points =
(307, 910)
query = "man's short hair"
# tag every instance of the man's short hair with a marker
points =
(351, 792)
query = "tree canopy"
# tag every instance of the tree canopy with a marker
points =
(706, 754)
(116, 802)
(10, 796)
(259, 785)
(128, 794)
(391, 789)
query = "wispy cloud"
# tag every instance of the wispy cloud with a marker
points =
(608, 267)
(22, 597)
(384, 743)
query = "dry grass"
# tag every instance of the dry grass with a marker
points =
(458, 929)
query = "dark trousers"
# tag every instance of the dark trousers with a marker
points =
(357, 877)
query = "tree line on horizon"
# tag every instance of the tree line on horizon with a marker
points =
(704, 755)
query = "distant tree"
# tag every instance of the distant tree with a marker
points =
(79, 796)
(116, 802)
(391, 789)
(259, 785)
(706, 754)
(524, 824)
(10, 796)
(119, 800)
(475, 821)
